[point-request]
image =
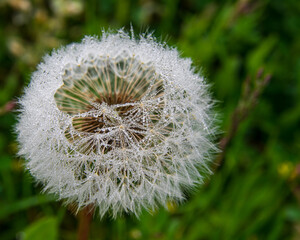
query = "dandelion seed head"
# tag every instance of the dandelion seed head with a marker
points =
(119, 122)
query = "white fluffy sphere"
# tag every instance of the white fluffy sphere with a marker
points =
(118, 122)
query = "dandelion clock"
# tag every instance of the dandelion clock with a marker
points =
(118, 123)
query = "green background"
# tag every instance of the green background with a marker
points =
(256, 192)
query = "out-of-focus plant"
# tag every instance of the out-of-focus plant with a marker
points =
(253, 193)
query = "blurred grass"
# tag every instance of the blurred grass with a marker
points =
(255, 195)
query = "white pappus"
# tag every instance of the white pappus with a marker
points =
(117, 122)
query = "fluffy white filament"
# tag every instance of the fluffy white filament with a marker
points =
(117, 122)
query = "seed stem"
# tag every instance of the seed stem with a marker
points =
(85, 219)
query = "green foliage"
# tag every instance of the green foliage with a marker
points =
(255, 193)
(45, 229)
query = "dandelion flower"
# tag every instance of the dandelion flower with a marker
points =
(117, 122)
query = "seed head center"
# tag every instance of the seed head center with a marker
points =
(109, 103)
